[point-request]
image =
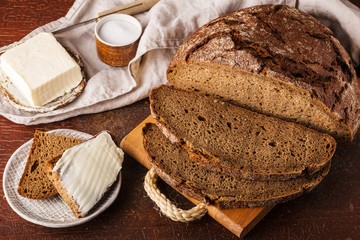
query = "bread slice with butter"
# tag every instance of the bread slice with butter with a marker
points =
(34, 183)
(83, 173)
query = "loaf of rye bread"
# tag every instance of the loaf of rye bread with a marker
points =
(275, 60)
(230, 139)
(172, 163)
(34, 183)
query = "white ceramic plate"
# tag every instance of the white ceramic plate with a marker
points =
(52, 212)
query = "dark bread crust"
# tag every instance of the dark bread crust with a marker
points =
(283, 44)
(187, 177)
(233, 140)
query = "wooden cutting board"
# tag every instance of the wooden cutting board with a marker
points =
(239, 221)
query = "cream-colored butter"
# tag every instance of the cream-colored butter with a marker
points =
(41, 69)
(89, 169)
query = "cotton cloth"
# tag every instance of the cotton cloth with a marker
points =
(165, 27)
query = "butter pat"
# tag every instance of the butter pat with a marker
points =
(87, 170)
(41, 69)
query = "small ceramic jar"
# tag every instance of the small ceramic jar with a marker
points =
(117, 37)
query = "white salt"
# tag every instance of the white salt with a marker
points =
(119, 32)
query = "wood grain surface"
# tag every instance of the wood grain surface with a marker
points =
(331, 211)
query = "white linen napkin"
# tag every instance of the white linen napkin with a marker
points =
(165, 26)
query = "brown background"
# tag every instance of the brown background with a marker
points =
(331, 211)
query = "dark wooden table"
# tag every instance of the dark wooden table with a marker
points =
(331, 211)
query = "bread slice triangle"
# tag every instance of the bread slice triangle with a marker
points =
(34, 183)
(84, 173)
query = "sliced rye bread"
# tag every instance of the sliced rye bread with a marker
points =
(276, 60)
(56, 181)
(173, 165)
(34, 183)
(234, 140)
(99, 158)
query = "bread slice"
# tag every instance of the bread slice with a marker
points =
(83, 173)
(238, 141)
(34, 183)
(55, 179)
(276, 60)
(173, 165)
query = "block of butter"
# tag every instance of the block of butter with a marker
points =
(85, 172)
(41, 69)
